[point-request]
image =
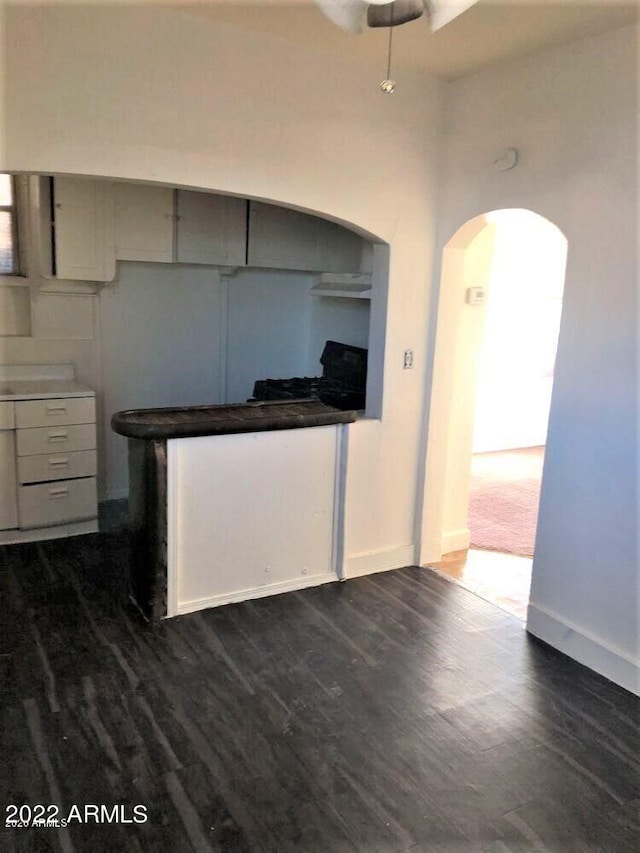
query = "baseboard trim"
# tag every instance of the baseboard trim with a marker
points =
(116, 495)
(259, 592)
(379, 561)
(41, 534)
(455, 540)
(584, 647)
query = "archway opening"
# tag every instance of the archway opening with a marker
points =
(498, 325)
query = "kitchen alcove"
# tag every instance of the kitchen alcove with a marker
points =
(166, 332)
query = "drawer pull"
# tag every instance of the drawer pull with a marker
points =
(60, 492)
(61, 462)
(58, 436)
(55, 410)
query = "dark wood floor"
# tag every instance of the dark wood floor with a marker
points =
(391, 713)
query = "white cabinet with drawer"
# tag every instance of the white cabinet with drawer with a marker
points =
(8, 508)
(59, 502)
(7, 416)
(59, 439)
(69, 410)
(48, 454)
(56, 466)
(57, 462)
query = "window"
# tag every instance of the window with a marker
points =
(9, 264)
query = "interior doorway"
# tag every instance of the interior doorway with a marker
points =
(498, 325)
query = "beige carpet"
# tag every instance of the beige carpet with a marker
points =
(503, 506)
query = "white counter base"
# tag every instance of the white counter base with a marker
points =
(263, 592)
(251, 515)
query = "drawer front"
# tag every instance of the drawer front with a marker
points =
(62, 439)
(56, 466)
(48, 504)
(6, 415)
(65, 410)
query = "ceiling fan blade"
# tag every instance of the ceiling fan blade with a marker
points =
(349, 15)
(395, 13)
(445, 11)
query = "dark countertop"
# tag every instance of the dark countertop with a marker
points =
(191, 421)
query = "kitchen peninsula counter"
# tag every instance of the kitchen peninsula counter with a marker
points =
(231, 502)
(191, 421)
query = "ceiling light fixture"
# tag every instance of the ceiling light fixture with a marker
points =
(351, 15)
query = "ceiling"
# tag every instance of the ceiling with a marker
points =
(485, 34)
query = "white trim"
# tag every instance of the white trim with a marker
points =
(223, 331)
(39, 373)
(379, 561)
(258, 592)
(340, 499)
(455, 540)
(584, 647)
(78, 528)
(429, 553)
(172, 530)
(73, 288)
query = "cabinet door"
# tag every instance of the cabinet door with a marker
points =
(211, 229)
(83, 214)
(283, 238)
(8, 501)
(342, 249)
(144, 223)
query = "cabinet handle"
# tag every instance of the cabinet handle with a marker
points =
(60, 492)
(52, 410)
(61, 462)
(58, 436)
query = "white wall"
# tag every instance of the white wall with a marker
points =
(520, 335)
(162, 345)
(268, 333)
(156, 94)
(572, 114)
(72, 344)
(336, 318)
(463, 325)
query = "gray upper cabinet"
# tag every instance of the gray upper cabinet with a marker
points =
(83, 218)
(342, 249)
(211, 229)
(282, 238)
(97, 222)
(144, 223)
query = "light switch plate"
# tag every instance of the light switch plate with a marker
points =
(475, 296)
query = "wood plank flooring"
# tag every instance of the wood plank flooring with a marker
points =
(397, 712)
(502, 579)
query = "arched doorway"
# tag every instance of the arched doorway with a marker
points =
(497, 330)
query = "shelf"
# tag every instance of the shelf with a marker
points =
(344, 285)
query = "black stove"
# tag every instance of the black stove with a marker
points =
(342, 384)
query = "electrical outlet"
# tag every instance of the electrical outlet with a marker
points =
(408, 359)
